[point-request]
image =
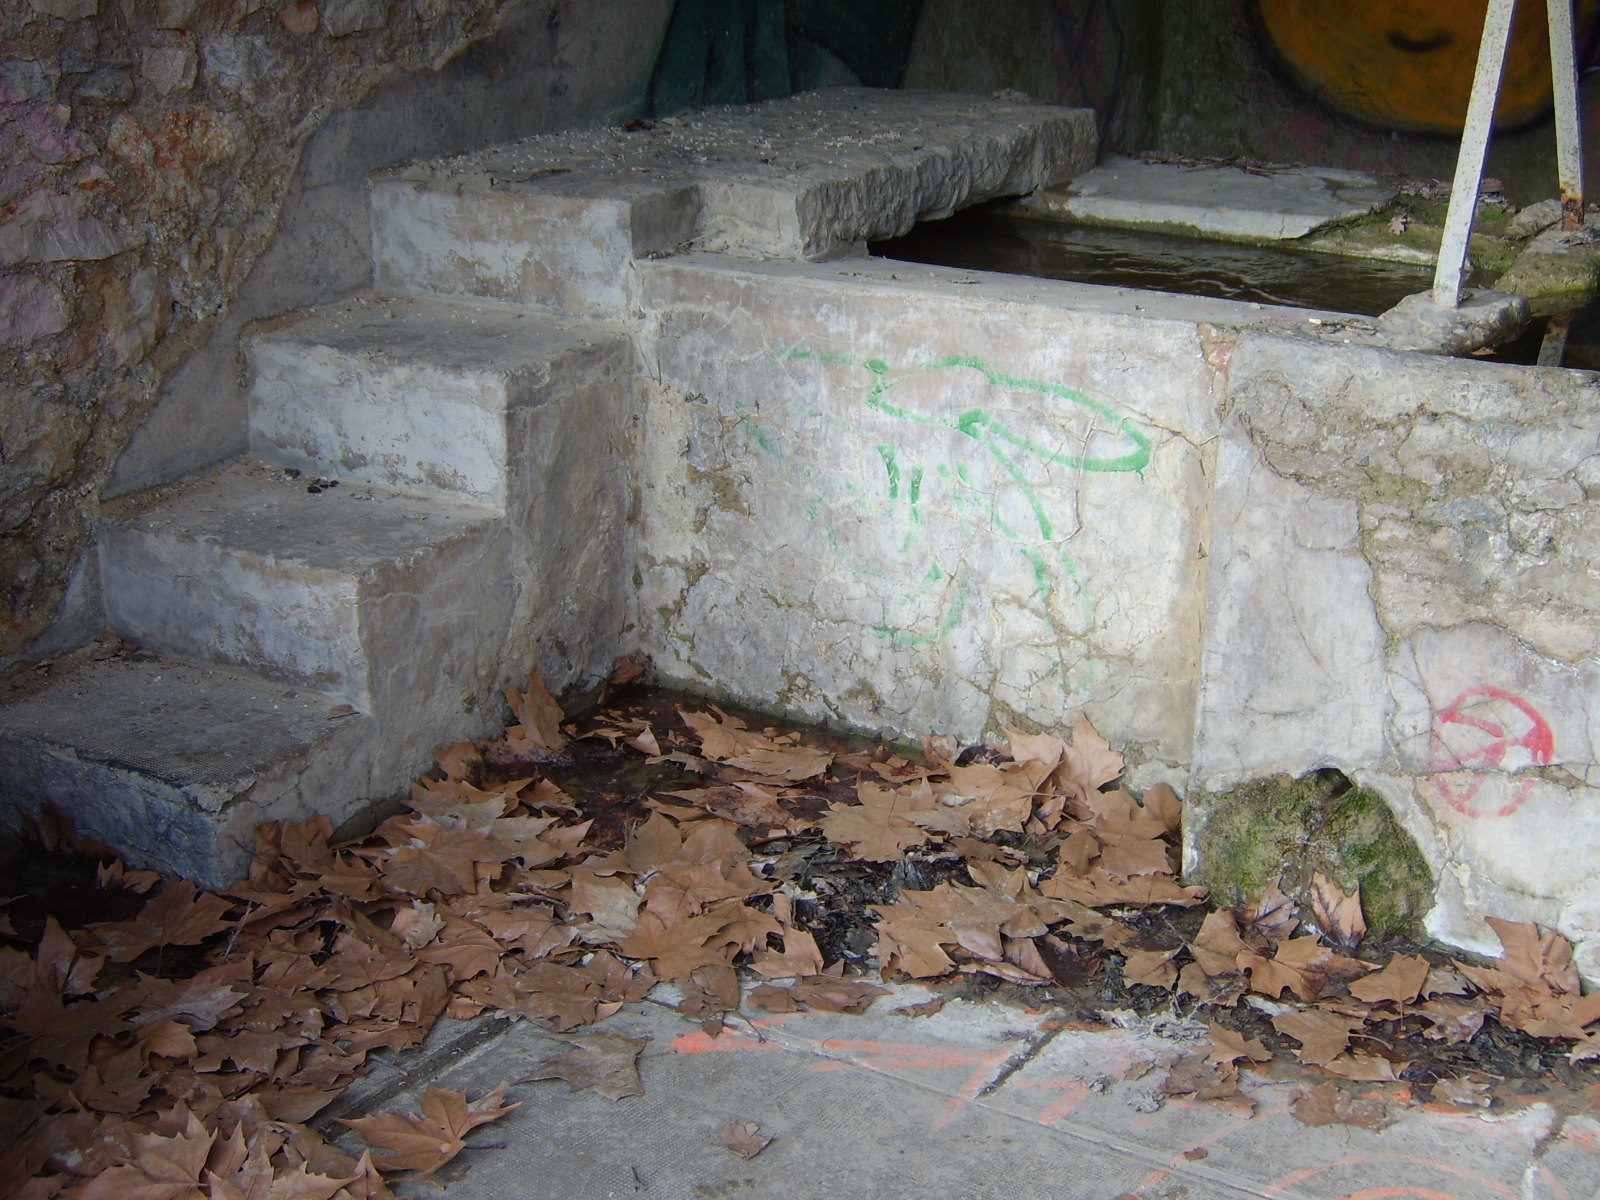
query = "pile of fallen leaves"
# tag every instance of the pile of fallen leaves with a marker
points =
(188, 1048)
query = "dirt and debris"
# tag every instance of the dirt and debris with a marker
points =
(155, 1034)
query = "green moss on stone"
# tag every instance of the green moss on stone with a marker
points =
(1290, 829)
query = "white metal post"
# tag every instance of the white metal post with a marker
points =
(1474, 145)
(1569, 139)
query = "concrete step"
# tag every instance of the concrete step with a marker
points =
(175, 765)
(415, 394)
(555, 221)
(322, 591)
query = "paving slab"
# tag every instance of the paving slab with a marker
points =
(980, 1100)
(1271, 204)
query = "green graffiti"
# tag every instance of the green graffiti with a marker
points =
(1016, 457)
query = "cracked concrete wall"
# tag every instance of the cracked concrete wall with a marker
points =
(925, 506)
(1404, 585)
(174, 170)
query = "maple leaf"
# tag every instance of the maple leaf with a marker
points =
(1399, 983)
(160, 1167)
(457, 800)
(1217, 945)
(725, 739)
(540, 718)
(677, 950)
(1151, 968)
(1453, 1021)
(1089, 761)
(423, 1142)
(1322, 1035)
(744, 1138)
(603, 1062)
(800, 956)
(1363, 1068)
(831, 993)
(1271, 914)
(1327, 1104)
(180, 914)
(925, 1008)
(1228, 1046)
(1337, 915)
(774, 999)
(59, 964)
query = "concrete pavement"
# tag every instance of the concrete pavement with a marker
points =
(982, 1099)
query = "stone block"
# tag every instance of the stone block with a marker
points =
(168, 69)
(569, 254)
(554, 220)
(176, 765)
(414, 394)
(323, 592)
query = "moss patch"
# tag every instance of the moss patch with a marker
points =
(1293, 828)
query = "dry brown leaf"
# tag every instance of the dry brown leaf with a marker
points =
(1464, 1093)
(423, 1142)
(1338, 915)
(1363, 1068)
(1151, 968)
(774, 999)
(603, 1062)
(1322, 1035)
(1398, 983)
(925, 1008)
(1228, 1046)
(539, 714)
(1328, 1104)
(833, 994)
(744, 1138)
(178, 915)
(1454, 1021)
(1272, 914)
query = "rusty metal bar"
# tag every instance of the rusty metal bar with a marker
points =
(1569, 138)
(1474, 146)
(1553, 347)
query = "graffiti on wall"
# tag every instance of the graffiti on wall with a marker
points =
(1480, 739)
(967, 498)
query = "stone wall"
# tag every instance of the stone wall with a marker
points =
(174, 169)
(910, 499)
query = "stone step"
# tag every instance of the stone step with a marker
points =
(323, 591)
(416, 394)
(175, 765)
(554, 221)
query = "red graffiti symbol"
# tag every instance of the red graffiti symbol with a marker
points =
(1478, 732)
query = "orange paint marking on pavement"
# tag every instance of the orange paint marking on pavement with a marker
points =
(1073, 1093)
(969, 1090)
(1277, 1186)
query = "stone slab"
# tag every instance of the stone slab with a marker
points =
(175, 765)
(555, 220)
(1271, 204)
(958, 1105)
(412, 393)
(246, 568)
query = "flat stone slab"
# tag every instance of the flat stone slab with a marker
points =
(1270, 204)
(554, 220)
(176, 764)
(982, 1099)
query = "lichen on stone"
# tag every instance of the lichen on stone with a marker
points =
(1291, 829)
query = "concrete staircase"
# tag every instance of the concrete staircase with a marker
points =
(438, 489)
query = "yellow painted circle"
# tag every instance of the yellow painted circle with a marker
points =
(1408, 64)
